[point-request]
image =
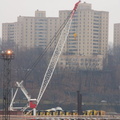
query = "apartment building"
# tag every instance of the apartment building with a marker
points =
(91, 40)
(116, 35)
(74, 62)
(87, 41)
(30, 32)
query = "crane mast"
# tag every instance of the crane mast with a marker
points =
(57, 52)
(20, 85)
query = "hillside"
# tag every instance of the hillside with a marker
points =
(95, 86)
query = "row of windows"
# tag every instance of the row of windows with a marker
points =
(82, 60)
(72, 43)
(96, 16)
(96, 20)
(43, 39)
(95, 33)
(42, 42)
(40, 33)
(71, 46)
(72, 49)
(95, 30)
(41, 20)
(40, 29)
(95, 40)
(95, 26)
(40, 26)
(95, 43)
(41, 23)
(96, 23)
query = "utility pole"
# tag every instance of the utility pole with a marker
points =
(7, 56)
(79, 103)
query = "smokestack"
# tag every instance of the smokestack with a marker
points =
(79, 103)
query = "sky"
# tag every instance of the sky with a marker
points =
(11, 9)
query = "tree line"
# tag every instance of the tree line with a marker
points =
(95, 86)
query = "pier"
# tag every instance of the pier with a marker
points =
(78, 117)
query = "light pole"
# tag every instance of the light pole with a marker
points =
(6, 56)
(119, 97)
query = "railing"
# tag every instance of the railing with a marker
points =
(77, 117)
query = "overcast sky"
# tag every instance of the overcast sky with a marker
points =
(11, 9)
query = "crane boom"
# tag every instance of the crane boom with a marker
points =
(12, 101)
(57, 52)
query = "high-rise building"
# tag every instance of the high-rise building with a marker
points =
(87, 43)
(30, 32)
(116, 35)
(88, 38)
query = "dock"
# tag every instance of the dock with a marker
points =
(78, 117)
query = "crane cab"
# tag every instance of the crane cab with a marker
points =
(33, 103)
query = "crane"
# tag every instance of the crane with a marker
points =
(33, 103)
(57, 52)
